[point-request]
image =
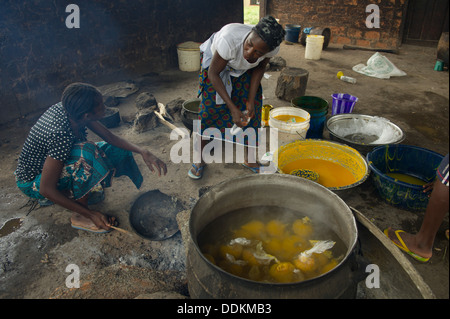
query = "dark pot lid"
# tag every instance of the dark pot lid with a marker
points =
(153, 215)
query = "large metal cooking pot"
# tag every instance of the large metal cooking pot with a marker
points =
(206, 280)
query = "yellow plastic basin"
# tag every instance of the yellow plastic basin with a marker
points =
(339, 166)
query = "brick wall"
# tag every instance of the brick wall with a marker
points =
(39, 55)
(345, 18)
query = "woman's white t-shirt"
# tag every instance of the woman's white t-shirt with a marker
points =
(229, 43)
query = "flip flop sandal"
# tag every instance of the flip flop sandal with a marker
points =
(253, 169)
(403, 245)
(197, 170)
(96, 231)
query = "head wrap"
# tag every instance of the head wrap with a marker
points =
(270, 31)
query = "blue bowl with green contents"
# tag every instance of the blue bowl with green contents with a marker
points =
(399, 173)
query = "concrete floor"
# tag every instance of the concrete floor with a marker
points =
(34, 257)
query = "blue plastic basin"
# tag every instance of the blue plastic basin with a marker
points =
(404, 159)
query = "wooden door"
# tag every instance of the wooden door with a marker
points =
(425, 21)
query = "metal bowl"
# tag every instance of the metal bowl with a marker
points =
(189, 112)
(153, 215)
(363, 132)
(111, 118)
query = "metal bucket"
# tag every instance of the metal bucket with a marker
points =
(205, 280)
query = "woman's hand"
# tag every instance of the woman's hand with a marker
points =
(152, 161)
(238, 118)
(250, 110)
(149, 159)
(101, 221)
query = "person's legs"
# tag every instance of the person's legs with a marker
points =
(422, 242)
(239, 96)
(250, 157)
(87, 169)
(198, 167)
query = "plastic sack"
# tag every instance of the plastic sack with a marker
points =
(378, 66)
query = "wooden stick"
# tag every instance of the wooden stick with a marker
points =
(170, 125)
(121, 230)
(354, 47)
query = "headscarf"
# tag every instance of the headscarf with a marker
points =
(270, 31)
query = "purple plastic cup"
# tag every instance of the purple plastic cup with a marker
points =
(343, 103)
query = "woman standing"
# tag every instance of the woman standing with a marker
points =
(233, 63)
(58, 165)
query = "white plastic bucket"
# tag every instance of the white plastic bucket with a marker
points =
(314, 44)
(189, 56)
(289, 132)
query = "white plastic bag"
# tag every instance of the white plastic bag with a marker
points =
(378, 66)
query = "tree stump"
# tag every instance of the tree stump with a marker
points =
(291, 83)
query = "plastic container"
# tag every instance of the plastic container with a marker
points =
(265, 113)
(317, 109)
(314, 45)
(439, 66)
(189, 56)
(343, 103)
(289, 132)
(328, 151)
(326, 32)
(403, 159)
(292, 32)
(344, 78)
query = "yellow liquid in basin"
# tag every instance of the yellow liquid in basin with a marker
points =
(407, 178)
(290, 118)
(330, 174)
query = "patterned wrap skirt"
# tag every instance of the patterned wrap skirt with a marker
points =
(218, 116)
(89, 166)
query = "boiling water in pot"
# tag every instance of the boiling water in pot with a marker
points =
(266, 244)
